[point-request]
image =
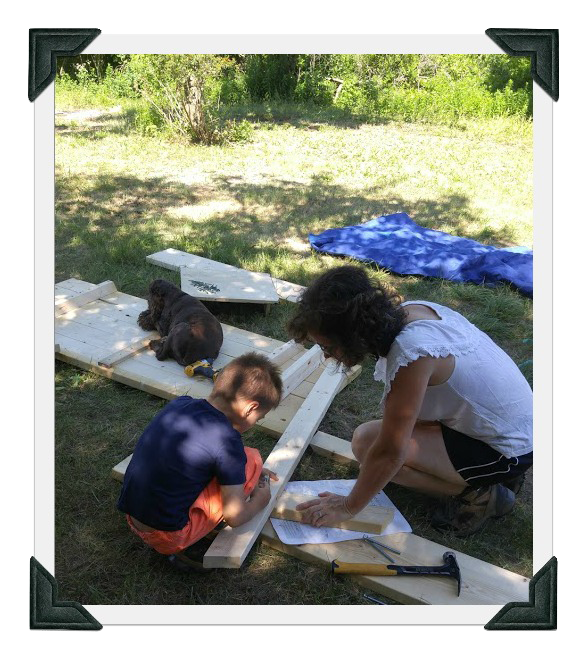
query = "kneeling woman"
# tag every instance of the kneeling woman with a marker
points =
(457, 412)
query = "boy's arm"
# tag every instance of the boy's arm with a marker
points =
(236, 509)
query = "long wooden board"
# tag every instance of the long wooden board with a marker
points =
(481, 582)
(372, 519)
(232, 545)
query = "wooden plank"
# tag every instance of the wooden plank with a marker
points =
(116, 333)
(276, 421)
(97, 340)
(231, 546)
(288, 291)
(372, 519)
(332, 447)
(300, 370)
(134, 347)
(284, 352)
(220, 285)
(174, 259)
(77, 301)
(124, 317)
(126, 303)
(212, 280)
(70, 287)
(120, 469)
(251, 339)
(481, 582)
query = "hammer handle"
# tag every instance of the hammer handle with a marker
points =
(339, 567)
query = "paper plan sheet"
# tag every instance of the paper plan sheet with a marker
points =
(296, 533)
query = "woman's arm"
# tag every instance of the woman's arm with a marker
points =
(388, 452)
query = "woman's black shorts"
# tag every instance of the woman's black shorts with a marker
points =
(478, 463)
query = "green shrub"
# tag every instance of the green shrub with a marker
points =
(120, 82)
(271, 76)
(185, 92)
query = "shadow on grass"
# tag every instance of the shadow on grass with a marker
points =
(116, 221)
(304, 116)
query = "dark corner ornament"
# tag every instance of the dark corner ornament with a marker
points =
(539, 612)
(540, 45)
(47, 612)
(45, 45)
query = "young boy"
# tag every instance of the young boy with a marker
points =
(190, 469)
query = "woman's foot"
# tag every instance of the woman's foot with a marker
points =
(515, 484)
(468, 512)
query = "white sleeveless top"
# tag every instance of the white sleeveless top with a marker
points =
(486, 397)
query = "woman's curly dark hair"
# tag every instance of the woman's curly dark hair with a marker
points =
(358, 315)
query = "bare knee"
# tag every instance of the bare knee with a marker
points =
(404, 476)
(363, 437)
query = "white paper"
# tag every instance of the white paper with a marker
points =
(296, 533)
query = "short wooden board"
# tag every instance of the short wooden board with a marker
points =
(372, 519)
(228, 285)
(78, 300)
(176, 260)
(303, 367)
(125, 353)
(335, 448)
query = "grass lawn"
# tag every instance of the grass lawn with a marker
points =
(121, 196)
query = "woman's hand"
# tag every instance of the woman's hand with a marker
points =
(326, 511)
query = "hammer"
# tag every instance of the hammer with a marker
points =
(449, 569)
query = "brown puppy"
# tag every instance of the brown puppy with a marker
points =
(189, 332)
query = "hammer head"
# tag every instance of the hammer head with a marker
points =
(451, 565)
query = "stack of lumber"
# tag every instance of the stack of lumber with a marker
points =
(96, 329)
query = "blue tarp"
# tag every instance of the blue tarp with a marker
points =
(397, 243)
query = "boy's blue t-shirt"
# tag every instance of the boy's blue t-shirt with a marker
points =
(183, 448)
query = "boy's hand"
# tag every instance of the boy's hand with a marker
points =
(262, 493)
(268, 475)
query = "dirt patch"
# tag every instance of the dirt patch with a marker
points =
(87, 115)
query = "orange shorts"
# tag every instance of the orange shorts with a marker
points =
(205, 513)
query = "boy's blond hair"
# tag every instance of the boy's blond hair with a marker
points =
(251, 376)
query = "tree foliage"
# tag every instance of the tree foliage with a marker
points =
(191, 94)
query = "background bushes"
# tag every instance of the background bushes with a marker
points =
(192, 95)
